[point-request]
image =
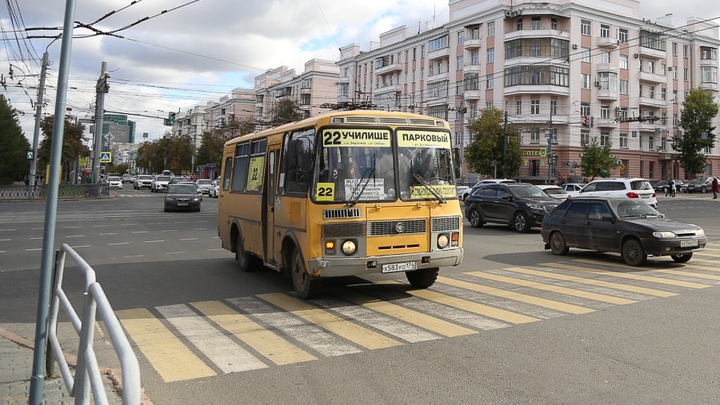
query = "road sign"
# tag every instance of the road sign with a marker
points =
(29, 155)
(105, 157)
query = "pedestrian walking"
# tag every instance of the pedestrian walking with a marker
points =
(669, 190)
(674, 188)
(715, 187)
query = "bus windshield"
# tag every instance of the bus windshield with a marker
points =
(359, 165)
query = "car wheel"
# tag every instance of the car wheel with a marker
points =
(305, 285)
(242, 256)
(422, 278)
(633, 253)
(703, 189)
(475, 218)
(557, 244)
(682, 258)
(520, 222)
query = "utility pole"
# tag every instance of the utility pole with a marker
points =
(505, 141)
(462, 111)
(38, 119)
(550, 157)
(101, 88)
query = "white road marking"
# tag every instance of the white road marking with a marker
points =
(118, 243)
(155, 241)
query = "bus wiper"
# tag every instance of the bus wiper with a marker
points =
(360, 187)
(430, 188)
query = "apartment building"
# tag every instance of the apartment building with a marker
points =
(565, 72)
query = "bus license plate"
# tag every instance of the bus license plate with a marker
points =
(688, 243)
(394, 267)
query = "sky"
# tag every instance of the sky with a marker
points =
(172, 55)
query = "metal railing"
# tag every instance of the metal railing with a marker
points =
(65, 191)
(87, 372)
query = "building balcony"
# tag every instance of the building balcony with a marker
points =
(606, 123)
(393, 67)
(442, 53)
(387, 88)
(646, 52)
(536, 119)
(472, 68)
(652, 77)
(344, 79)
(652, 102)
(708, 62)
(473, 43)
(709, 86)
(606, 68)
(438, 77)
(472, 94)
(607, 94)
(544, 32)
(607, 42)
(537, 89)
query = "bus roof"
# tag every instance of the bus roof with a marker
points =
(357, 117)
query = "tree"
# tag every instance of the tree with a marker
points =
(597, 160)
(487, 149)
(73, 144)
(211, 148)
(285, 111)
(173, 153)
(13, 161)
(696, 117)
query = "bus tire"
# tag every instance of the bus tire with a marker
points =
(305, 286)
(422, 278)
(242, 256)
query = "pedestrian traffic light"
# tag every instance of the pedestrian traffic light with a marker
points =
(586, 121)
(171, 118)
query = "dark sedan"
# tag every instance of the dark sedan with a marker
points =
(182, 196)
(519, 205)
(627, 226)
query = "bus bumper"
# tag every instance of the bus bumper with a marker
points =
(353, 266)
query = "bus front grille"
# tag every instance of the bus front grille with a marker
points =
(402, 227)
(445, 224)
(344, 230)
(341, 213)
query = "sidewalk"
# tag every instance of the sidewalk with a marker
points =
(16, 364)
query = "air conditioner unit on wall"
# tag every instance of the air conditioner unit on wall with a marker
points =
(637, 55)
(575, 46)
(508, 14)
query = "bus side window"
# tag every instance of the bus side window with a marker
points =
(298, 159)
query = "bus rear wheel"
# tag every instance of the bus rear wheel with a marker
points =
(242, 256)
(422, 278)
(305, 286)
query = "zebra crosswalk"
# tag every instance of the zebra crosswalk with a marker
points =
(208, 338)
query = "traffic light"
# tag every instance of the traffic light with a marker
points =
(171, 118)
(586, 121)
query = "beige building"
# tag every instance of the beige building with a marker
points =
(565, 72)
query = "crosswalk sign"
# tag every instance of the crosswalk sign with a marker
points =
(30, 155)
(105, 157)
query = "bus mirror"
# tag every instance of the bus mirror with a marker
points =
(457, 158)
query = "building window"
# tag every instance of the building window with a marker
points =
(651, 142)
(460, 62)
(491, 29)
(651, 66)
(519, 24)
(674, 48)
(553, 107)
(585, 27)
(461, 37)
(518, 107)
(475, 32)
(474, 58)
(584, 137)
(471, 81)
(623, 61)
(604, 31)
(623, 141)
(490, 81)
(707, 53)
(491, 55)
(653, 40)
(622, 35)
(709, 74)
(685, 74)
(605, 57)
(663, 94)
(535, 107)
(585, 109)
(604, 138)
(535, 136)
(536, 23)
(439, 43)
(585, 84)
(686, 50)
(585, 55)
(605, 112)
(553, 24)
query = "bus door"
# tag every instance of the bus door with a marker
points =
(268, 203)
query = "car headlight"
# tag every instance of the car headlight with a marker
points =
(169, 199)
(664, 234)
(535, 207)
(700, 232)
(196, 199)
(349, 247)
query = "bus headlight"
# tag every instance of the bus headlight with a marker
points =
(349, 247)
(443, 240)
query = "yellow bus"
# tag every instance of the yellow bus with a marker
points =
(343, 194)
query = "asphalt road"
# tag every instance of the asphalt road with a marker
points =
(512, 325)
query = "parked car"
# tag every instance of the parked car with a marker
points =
(519, 205)
(685, 188)
(571, 187)
(213, 190)
(702, 185)
(463, 191)
(160, 183)
(553, 191)
(183, 196)
(204, 185)
(630, 227)
(620, 187)
(142, 181)
(115, 182)
(663, 185)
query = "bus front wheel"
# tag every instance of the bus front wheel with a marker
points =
(422, 278)
(305, 285)
(241, 255)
